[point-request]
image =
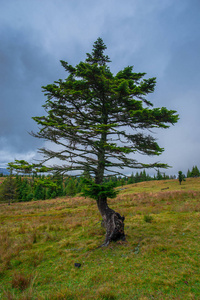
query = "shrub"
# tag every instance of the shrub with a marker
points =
(148, 218)
(21, 281)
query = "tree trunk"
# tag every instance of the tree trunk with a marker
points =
(112, 221)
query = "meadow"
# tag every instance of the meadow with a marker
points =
(41, 241)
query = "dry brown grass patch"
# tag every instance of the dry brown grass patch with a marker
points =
(21, 281)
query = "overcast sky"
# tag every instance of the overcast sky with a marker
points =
(161, 38)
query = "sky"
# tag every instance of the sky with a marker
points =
(161, 38)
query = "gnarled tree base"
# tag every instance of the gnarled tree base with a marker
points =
(112, 222)
(114, 225)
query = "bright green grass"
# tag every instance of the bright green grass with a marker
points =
(40, 242)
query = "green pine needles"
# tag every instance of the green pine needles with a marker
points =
(94, 191)
(99, 120)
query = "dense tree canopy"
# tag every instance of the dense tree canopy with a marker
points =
(90, 115)
(100, 120)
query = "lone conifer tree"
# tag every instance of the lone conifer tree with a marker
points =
(100, 121)
(8, 190)
(181, 176)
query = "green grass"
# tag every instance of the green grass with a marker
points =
(41, 241)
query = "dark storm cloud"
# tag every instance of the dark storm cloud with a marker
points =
(25, 67)
(21, 70)
(160, 38)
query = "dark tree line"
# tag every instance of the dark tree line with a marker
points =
(23, 188)
(26, 187)
(194, 172)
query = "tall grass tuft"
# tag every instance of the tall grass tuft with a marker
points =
(21, 281)
(148, 218)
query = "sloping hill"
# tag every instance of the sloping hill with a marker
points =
(41, 241)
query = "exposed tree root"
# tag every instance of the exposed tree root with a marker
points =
(114, 225)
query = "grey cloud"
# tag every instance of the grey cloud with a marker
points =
(24, 68)
(160, 38)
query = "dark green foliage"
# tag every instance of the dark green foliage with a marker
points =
(95, 191)
(131, 179)
(49, 187)
(25, 190)
(97, 55)
(19, 190)
(20, 166)
(71, 187)
(34, 188)
(39, 192)
(194, 173)
(181, 176)
(30, 196)
(87, 114)
(148, 218)
(8, 190)
(159, 175)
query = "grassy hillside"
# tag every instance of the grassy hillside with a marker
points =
(41, 241)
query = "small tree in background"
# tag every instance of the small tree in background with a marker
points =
(100, 120)
(8, 190)
(20, 166)
(71, 189)
(131, 179)
(181, 176)
(194, 173)
(159, 175)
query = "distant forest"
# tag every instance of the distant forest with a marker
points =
(26, 187)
